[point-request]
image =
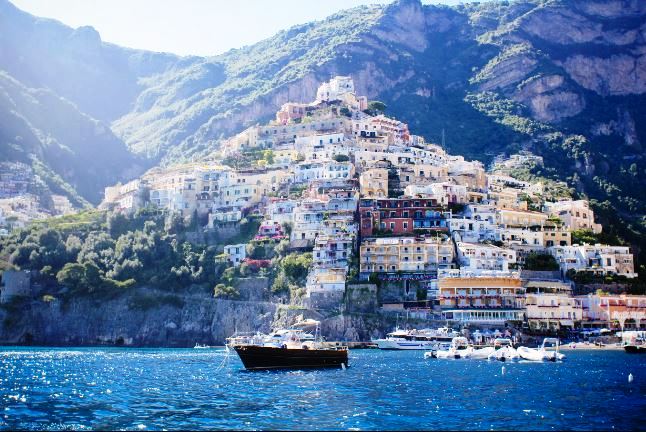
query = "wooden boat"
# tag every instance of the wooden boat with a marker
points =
(256, 357)
(290, 349)
(635, 349)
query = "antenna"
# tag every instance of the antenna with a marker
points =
(443, 140)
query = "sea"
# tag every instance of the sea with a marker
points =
(167, 389)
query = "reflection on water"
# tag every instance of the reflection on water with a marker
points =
(154, 389)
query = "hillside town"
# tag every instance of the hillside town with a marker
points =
(439, 236)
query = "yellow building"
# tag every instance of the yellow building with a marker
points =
(374, 183)
(520, 218)
(481, 299)
(391, 254)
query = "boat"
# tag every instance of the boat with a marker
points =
(542, 353)
(552, 352)
(460, 348)
(635, 349)
(503, 350)
(532, 354)
(482, 353)
(201, 346)
(636, 343)
(245, 339)
(291, 348)
(424, 339)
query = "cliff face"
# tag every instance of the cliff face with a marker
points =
(129, 320)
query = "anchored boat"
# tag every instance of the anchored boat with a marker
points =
(543, 353)
(425, 339)
(291, 349)
(504, 350)
(460, 348)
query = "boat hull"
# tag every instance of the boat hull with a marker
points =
(531, 354)
(260, 357)
(635, 349)
(386, 344)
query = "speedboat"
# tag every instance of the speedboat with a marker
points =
(460, 348)
(503, 350)
(542, 353)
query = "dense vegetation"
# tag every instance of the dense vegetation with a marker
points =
(94, 253)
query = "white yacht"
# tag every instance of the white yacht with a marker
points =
(425, 339)
(460, 348)
(504, 350)
(544, 352)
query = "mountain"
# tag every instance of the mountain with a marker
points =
(59, 90)
(564, 79)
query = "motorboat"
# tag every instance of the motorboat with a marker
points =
(291, 348)
(532, 354)
(482, 353)
(544, 352)
(201, 346)
(503, 350)
(424, 339)
(636, 345)
(460, 348)
(552, 351)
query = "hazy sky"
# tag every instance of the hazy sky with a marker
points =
(201, 27)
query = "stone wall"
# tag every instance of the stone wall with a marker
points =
(324, 300)
(361, 298)
(15, 283)
(253, 289)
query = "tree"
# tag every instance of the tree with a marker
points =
(540, 262)
(72, 275)
(376, 106)
(341, 158)
(268, 155)
(345, 111)
(223, 291)
(581, 236)
(296, 267)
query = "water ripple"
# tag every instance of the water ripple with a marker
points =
(155, 389)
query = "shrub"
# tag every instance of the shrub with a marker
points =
(223, 291)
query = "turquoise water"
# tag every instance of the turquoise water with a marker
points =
(154, 389)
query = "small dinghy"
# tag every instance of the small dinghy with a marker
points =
(460, 348)
(482, 353)
(543, 353)
(504, 350)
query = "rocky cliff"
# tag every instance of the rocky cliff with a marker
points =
(147, 318)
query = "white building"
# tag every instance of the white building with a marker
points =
(444, 193)
(598, 259)
(574, 214)
(236, 253)
(473, 256)
(308, 219)
(335, 88)
(326, 279)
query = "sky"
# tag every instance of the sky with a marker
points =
(189, 27)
